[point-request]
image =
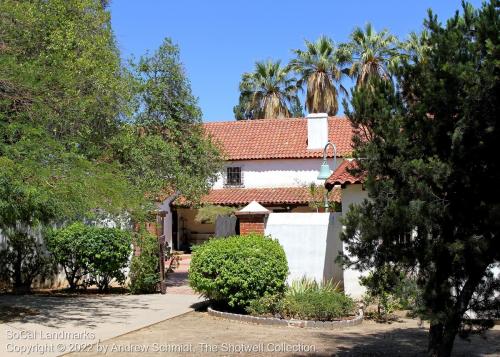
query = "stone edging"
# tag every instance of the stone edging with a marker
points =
(294, 323)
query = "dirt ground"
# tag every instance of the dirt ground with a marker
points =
(197, 333)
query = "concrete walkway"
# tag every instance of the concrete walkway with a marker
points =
(177, 281)
(59, 325)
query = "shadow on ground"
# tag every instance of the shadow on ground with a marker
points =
(79, 311)
(407, 342)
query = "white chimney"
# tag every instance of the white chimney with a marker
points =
(317, 131)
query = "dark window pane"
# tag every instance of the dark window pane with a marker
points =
(234, 176)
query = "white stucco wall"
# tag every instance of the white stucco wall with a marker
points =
(278, 173)
(310, 241)
(352, 194)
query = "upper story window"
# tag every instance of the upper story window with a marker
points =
(234, 176)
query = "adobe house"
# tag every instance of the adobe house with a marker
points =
(270, 161)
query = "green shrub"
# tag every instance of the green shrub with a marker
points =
(144, 268)
(109, 249)
(390, 290)
(317, 304)
(305, 299)
(90, 255)
(267, 305)
(234, 271)
(69, 249)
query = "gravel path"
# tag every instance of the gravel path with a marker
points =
(196, 333)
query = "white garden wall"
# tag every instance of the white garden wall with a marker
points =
(310, 241)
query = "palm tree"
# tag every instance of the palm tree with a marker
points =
(416, 46)
(320, 68)
(371, 53)
(267, 92)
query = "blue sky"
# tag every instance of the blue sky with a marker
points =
(219, 40)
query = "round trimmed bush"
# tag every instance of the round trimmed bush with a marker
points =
(234, 271)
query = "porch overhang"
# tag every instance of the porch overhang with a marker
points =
(265, 196)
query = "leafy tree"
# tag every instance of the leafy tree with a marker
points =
(429, 150)
(61, 97)
(268, 92)
(320, 69)
(79, 133)
(370, 54)
(208, 213)
(165, 146)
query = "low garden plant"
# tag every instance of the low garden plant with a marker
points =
(236, 270)
(306, 299)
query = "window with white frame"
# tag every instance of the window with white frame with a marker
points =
(234, 176)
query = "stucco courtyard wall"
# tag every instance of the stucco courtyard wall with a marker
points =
(311, 243)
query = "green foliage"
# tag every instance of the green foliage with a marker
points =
(317, 201)
(429, 149)
(90, 255)
(68, 246)
(371, 54)
(320, 68)
(61, 96)
(166, 147)
(390, 290)
(109, 249)
(306, 285)
(144, 268)
(267, 305)
(22, 260)
(317, 304)
(236, 270)
(209, 213)
(305, 299)
(270, 91)
(80, 133)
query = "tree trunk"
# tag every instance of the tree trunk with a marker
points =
(20, 286)
(442, 337)
(435, 338)
(449, 333)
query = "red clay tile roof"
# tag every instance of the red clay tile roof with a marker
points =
(342, 177)
(276, 138)
(265, 196)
